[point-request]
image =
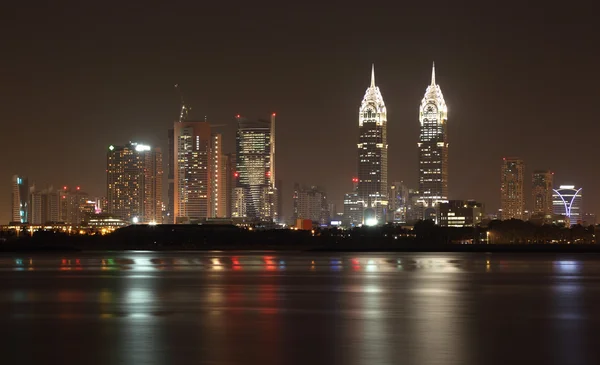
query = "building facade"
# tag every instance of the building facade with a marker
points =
(398, 202)
(567, 200)
(460, 213)
(512, 199)
(433, 150)
(542, 183)
(134, 183)
(20, 199)
(255, 193)
(372, 153)
(310, 203)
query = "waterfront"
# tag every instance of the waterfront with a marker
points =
(278, 308)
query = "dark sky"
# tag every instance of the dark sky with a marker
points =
(519, 80)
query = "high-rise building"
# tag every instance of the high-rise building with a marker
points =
(398, 202)
(134, 183)
(372, 154)
(433, 150)
(20, 199)
(310, 203)
(542, 184)
(512, 199)
(255, 194)
(194, 195)
(567, 201)
(353, 206)
(44, 205)
(230, 178)
(170, 211)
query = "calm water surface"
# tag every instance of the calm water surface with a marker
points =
(270, 308)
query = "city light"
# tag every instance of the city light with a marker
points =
(142, 148)
(370, 222)
(135, 220)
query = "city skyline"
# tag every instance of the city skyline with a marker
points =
(118, 85)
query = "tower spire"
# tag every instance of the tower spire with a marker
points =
(372, 75)
(433, 74)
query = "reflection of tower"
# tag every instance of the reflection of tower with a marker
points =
(372, 152)
(433, 150)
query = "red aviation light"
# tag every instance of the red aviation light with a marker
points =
(236, 174)
(64, 188)
(78, 188)
(354, 179)
(268, 173)
(274, 114)
(237, 116)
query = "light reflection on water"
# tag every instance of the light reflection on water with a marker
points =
(157, 308)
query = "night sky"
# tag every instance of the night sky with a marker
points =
(520, 81)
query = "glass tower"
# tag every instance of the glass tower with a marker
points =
(372, 155)
(433, 150)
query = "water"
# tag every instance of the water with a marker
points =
(270, 308)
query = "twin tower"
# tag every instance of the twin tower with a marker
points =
(372, 186)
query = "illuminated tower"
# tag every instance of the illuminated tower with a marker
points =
(512, 200)
(433, 150)
(255, 193)
(542, 183)
(134, 175)
(566, 200)
(20, 199)
(372, 155)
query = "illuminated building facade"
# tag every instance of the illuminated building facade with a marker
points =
(433, 150)
(512, 199)
(255, 194)
(372, 154)
(134, 183)
(310, 203)
(20, 199)
(398, 202)
(567, 201)
(199, 191)
(460, 213)
(353, 206)
(542, 184)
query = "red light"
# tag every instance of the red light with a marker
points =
(274, 114)
(269, 173)
(64, 197)
(237, 116)
(355, 179)
(64, 188)
(236, 174)
(78, 188)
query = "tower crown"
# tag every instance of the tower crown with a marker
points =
(373, 100)
(433, 95)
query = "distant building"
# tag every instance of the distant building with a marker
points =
(372, 153)
(170, 207)
(398, 202)
(134, 184)
(567, 201)
(255, 195)
(542, 184)
(310, 203)
(512, 199)
(20, 199)
(433, 150)
(589, 219)
(460, 213)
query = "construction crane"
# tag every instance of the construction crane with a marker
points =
(184, 108)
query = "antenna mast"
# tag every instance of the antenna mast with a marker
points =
(184, 108)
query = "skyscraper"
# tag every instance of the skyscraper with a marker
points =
(195, 189)
(542, 183)
(372, 155)
(255, 194)
(433, 150)
(20, 199)
(310, 203)
(512, 200)
(134, 183)
(567, 201)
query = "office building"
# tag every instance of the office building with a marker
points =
(372, 154)
(255, 194)
(170, 206)
(542, 184)
(433, 150)
(398, 202)
(134, 184)
(512, 200)
(310, 203)
(567, 201)
(20, 199)
(460, 213)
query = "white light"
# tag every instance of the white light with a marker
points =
(111, 147)
(371, 222)
(135, 220)
(142, 148)
(567, 187)
(153, 223)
